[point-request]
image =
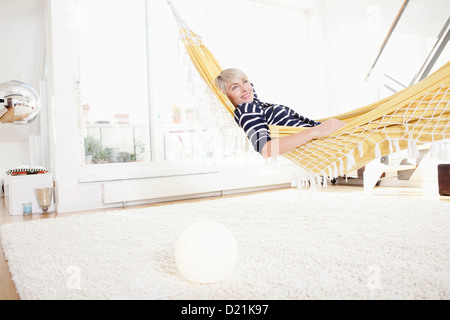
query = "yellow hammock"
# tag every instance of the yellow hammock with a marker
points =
(417, 115)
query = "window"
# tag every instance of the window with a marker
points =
(112, 84)
(144, 106)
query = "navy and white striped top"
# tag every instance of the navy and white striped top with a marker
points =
(255, 117)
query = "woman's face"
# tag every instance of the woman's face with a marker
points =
(240, 91)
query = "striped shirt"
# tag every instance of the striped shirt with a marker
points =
(255, 117)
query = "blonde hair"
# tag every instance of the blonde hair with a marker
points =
(229, 76)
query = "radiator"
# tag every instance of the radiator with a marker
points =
(188, 185)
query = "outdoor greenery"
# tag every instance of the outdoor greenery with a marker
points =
(94, 148)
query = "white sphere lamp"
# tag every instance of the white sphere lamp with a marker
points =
(206, 252)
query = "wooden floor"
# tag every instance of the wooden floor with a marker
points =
(8, 290)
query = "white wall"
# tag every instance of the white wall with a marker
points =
(353, 32)
(22, 38)
(22, 34)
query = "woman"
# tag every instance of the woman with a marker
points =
(255, 117)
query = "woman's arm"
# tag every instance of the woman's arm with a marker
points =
(282, 145)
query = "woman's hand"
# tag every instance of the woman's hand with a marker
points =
(326, 128)
(285, 144)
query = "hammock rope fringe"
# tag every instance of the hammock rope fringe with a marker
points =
(417, 115)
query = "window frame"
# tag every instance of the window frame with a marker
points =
(138, 170)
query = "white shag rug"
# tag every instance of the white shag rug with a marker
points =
(292, 245)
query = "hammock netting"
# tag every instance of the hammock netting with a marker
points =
(415, 116)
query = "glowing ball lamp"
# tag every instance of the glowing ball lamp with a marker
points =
(206, 252)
